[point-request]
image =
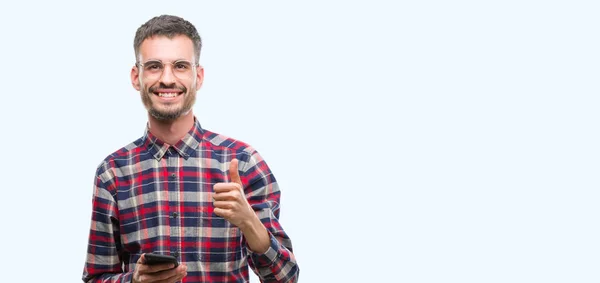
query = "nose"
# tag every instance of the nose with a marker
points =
(167, 77)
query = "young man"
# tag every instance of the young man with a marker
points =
(206, 199)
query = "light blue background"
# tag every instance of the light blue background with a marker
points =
(421, 141)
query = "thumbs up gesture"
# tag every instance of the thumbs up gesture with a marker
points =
(230, 201)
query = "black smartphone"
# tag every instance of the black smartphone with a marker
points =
(152, 259)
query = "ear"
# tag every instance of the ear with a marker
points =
(199, 77)
(135, 78)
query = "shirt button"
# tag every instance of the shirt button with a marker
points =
(174, 214)
(173, 175)
(175, 253)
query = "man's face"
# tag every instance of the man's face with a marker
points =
(167, 76)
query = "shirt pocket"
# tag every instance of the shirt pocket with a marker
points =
(221, 241)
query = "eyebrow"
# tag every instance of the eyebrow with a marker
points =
(179, 59)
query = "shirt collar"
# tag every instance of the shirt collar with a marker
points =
(184, 147)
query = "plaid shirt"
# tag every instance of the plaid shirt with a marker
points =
(152, 197)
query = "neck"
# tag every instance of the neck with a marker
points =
(171, 131)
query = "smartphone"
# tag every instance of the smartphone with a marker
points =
(152, 259)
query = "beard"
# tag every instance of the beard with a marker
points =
(172, 111)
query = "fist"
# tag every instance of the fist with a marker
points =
(230, 201)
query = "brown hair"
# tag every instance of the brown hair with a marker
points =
(169, 26)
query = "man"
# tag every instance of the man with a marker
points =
(181, 190)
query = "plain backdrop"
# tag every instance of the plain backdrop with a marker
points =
(414, 141)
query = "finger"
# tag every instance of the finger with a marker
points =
(234, 174)
(157, 277)
(222, 212)
(181, 272)
(225, 204)
(160, 267)
(226, 187)
(224, 196)
(142, 259)
(145, 269)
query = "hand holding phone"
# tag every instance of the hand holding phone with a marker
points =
(152, 259)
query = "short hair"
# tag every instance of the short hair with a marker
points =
(169, 26)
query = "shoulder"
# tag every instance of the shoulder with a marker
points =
(226, 144)
(225, 148)
(105, 169)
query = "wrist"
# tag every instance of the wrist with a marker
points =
(250, 225)
(256, 234)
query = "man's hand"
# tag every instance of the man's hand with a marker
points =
(230, 201)
(160, 273)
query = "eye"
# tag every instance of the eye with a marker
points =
(153, 66)
(182, 66)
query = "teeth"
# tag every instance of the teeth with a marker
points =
(167, 94)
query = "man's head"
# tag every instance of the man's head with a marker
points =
(167, 71)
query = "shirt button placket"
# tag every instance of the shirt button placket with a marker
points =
(174, 197)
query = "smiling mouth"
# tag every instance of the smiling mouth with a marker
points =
(167, 94)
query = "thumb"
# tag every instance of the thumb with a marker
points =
(234, 175)
(141, 259)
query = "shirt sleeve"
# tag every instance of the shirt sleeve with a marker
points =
(278, 263)
(104, 257)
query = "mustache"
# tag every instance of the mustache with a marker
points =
(156, 88)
